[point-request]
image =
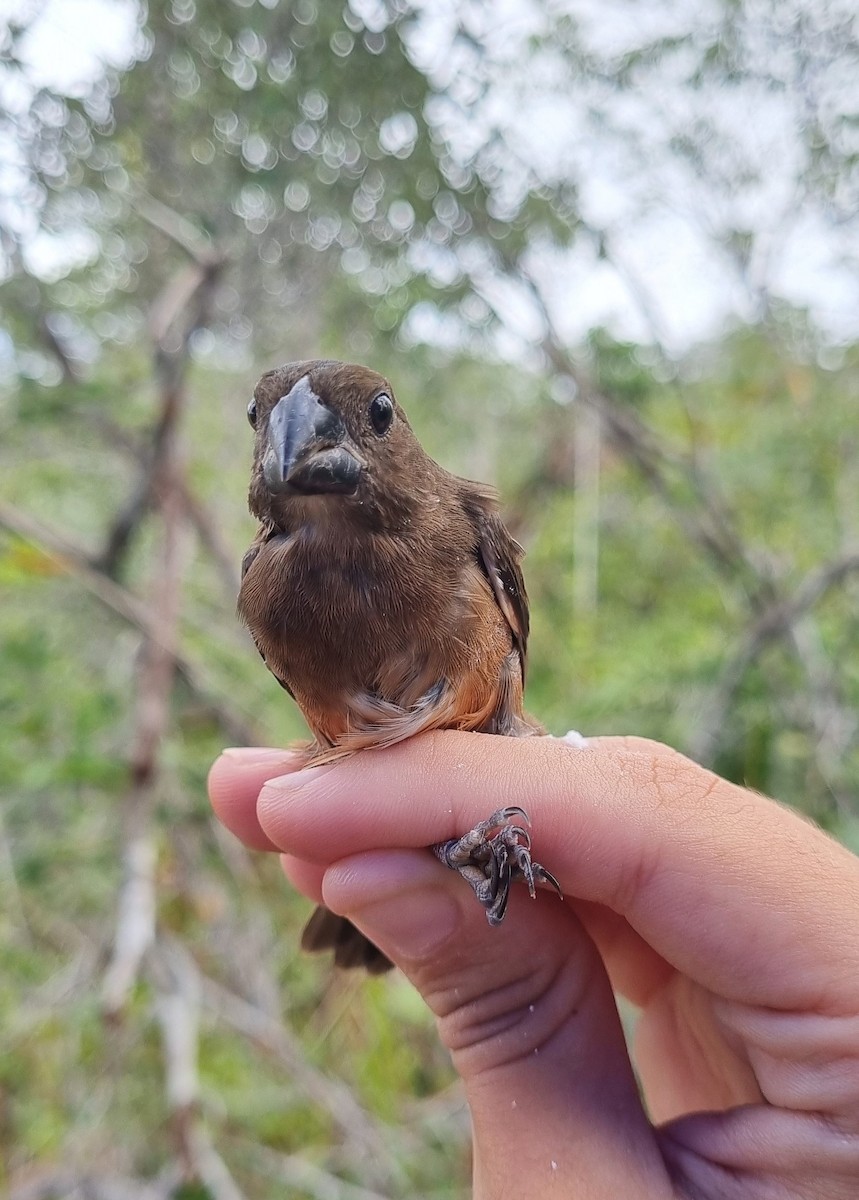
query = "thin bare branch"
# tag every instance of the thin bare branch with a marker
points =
(177, 1003)
(211, 540)
(159, 653)
(71, 558)
(304, 1178)
(832, 719)
(9, 889)
(135, 927)
(69, 1182)
(368, 1137)
(179, 229)
(176, 981)
(707, 523)
(71, 372)
(125, 525)
(776, 622)
(211, 1170)
(173, 301)
(135, 921)
(699, 508)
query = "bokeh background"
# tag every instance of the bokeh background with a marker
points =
(608, 254)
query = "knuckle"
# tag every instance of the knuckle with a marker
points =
(513, 1019)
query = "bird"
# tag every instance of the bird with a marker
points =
(386, 596)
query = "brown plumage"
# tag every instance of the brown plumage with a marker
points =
(385, 595)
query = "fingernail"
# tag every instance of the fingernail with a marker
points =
(248, 756)
(293, 781)
(411, 925)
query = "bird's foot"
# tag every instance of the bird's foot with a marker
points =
(489, 861)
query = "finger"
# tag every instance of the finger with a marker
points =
(527, 1013)
(235, 780)
(635, 969)
(706, 872)
(761, 1151)
(631, 742)
(305, 877)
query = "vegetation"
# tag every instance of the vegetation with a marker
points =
(271, 181)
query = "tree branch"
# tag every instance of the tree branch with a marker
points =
(188, 236)
(183, 302)
(302, 1177)
(77, 562)
(776, 622)
(370, 1140)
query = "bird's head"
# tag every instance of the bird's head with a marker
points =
(330, 433)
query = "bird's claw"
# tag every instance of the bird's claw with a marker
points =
(489, 864)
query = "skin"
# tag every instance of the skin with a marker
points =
(730, 921)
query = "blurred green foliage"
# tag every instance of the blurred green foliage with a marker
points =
(640, 663)
(294, 138)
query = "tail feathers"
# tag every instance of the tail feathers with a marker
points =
(326, 931)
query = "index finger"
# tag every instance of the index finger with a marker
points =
(734, 890)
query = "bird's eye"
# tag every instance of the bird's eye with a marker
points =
(252, 414)
(381, 413)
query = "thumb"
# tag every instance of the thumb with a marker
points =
(528, 1015)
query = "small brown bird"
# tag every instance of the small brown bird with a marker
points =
(385, 595)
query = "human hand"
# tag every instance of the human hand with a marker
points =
(730, 922)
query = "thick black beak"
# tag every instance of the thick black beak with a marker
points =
(308, 447)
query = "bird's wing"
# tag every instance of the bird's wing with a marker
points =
(249, 556)
(499, 554)
(247, 562)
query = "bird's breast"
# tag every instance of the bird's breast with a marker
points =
(390, 620)
(342, 612)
